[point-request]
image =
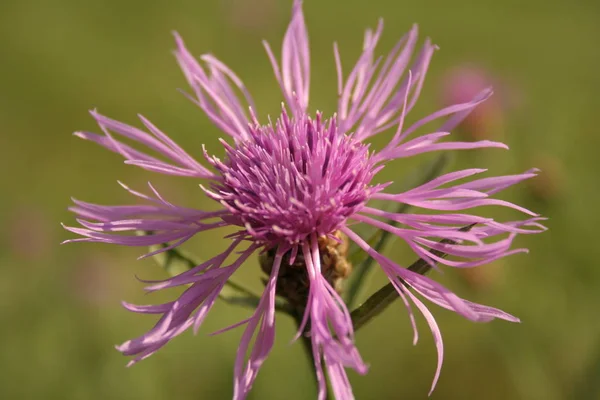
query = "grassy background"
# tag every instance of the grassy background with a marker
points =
(59, 306)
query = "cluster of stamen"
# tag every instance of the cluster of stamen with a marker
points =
(293, 178)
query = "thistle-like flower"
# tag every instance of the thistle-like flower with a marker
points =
(294, 189)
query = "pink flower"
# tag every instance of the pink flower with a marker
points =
(289, 183)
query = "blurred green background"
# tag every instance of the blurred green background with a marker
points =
(60, 305)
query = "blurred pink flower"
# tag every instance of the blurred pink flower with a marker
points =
(552, 180)
(93, 281)
(30, 234)
(463, 83)
(482, 279)
(255, 15)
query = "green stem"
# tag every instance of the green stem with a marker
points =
(385, 296)
(307, 346)
(431, 171)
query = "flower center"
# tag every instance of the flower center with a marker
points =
(294, 178)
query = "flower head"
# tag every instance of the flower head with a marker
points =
(291, 179)
(294, 189)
